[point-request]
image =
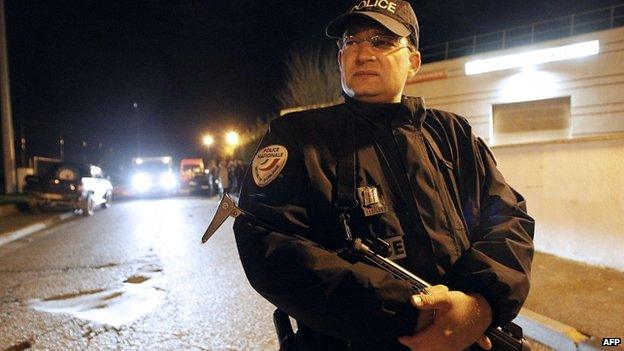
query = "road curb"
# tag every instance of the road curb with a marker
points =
(552, 333)
(8, 237)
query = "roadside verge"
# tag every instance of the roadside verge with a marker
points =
(7, 237)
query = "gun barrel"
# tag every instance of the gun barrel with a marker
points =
(388, 265)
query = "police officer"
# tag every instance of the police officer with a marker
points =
(419, 179)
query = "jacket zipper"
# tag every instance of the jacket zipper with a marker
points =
(443, 199)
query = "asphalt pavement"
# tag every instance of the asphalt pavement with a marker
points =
(131, 277)
(572, 305)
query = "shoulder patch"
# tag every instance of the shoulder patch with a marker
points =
(268, 163)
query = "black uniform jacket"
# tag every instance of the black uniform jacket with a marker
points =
(438, 189)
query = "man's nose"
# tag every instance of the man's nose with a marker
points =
(365, 52)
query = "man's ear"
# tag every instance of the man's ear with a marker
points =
(414, 64)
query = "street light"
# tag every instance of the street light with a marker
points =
(232, 138)
(208, 140)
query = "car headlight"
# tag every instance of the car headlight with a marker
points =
(168, 181)
(141, 182)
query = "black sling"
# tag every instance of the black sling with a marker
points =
(344, 194)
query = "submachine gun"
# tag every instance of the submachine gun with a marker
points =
(507, 338)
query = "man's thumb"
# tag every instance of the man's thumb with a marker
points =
(430, 301)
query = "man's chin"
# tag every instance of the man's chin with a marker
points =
(364, 92)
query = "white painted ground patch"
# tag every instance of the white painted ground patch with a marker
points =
(137, 297)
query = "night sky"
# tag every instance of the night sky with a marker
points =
(78, 66)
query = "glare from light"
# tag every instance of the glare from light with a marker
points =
(141, 182)
(232, 138)
(168, 181)
(95, 170)
(529, 85)
(534, 57)
(166, 159)
(138, 161)
(208, 140)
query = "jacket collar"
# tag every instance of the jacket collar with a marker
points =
(410, 110)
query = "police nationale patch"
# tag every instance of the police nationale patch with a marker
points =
(268, 164)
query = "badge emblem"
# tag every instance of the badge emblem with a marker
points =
(268, 164)
(371, 200)
(370, 196)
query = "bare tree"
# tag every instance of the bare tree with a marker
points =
(253, 134)
(312, 78)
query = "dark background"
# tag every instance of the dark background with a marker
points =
(192, 67)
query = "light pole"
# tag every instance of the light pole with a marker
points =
(138, 130)
(62, 147)
(208, 140)
(232, 139)
(6, 123)
(84, 151)
(23, 152)
(22, 146)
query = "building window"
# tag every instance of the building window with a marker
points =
(531, 121)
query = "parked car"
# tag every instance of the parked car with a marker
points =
(70, 185)
(202, 183)
(195, 178)
(189, 167)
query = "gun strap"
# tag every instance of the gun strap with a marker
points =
(344, 195)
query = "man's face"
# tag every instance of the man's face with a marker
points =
(371, 75)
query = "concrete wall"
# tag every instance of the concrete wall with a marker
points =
(575, 192)
(574, 187)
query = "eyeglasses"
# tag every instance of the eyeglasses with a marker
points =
(377, 42)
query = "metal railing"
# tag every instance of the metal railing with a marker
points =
(578, 23)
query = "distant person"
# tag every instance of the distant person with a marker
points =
(239, 173)
(224, 176)
(231, 166)
(396, 170)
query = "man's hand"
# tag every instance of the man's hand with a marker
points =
(460, 321)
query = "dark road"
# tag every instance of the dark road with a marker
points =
(133, 276)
